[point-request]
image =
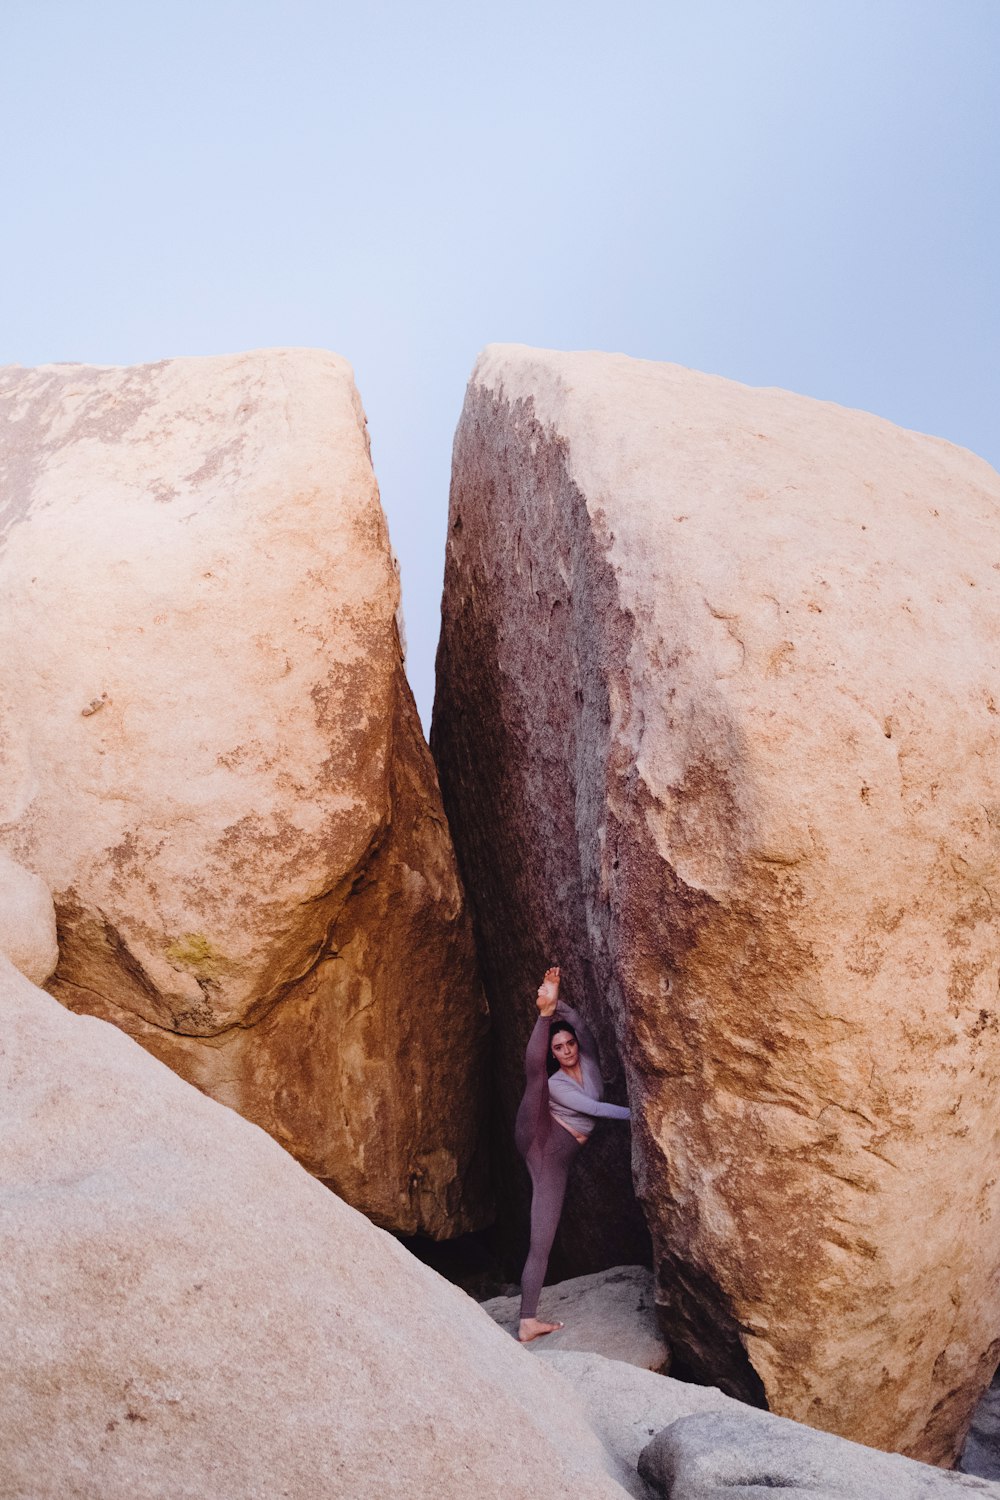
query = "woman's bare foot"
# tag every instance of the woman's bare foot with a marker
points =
(548, 994)
(531, 1328)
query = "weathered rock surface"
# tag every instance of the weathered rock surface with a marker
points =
(718, 728)
(981, 1454)
(626, 1406)
(612, 1313)
(186, 1312)
(714, 1455)
(210, 755)
(27, 921)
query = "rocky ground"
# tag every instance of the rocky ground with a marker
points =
(611, 1317)
(611, 1313)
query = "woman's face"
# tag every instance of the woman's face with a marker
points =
(564, 1049)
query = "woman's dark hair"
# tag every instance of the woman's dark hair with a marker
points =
(557, 1026)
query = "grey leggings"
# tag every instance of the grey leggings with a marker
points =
(549, 1151)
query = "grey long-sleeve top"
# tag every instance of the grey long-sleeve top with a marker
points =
(570, 1104)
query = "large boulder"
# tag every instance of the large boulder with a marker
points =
(718, 728)
(186, 1312)
(211, 757)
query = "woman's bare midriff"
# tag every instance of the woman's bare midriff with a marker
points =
(581, 1138)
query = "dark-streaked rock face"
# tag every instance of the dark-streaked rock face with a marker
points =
(210, 755)
(718, 729)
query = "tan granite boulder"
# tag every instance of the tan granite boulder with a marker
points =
(209, 752)
(718, 728)
(27, 921)
(186, 1312)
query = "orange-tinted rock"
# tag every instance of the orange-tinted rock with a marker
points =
(185, 1312)
(718, 727)
(211, 757)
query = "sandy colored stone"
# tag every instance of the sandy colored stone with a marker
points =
(626, 1406)
(714, 1455)
(612, 1313)
(209, 752)
(27, 921)
(185, 1312)
(718, 727)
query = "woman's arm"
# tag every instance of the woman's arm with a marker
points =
(571, 1096)
(602, 1111)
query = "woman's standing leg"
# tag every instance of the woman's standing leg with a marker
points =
(549, 1175)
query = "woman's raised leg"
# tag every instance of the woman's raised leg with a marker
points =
(531, 1126)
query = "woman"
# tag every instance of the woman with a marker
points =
(554, 1120)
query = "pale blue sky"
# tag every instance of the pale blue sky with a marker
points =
(802, 193)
